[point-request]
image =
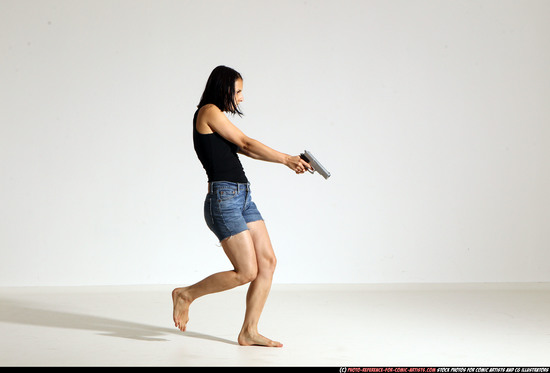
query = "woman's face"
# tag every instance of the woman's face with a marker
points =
(239, 91)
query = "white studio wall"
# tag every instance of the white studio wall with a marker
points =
(432, 116)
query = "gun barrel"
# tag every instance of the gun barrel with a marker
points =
(315, 164)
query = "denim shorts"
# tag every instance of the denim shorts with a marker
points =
(228, 207)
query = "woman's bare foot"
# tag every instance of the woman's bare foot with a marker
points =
(181, 307)
(247, 338)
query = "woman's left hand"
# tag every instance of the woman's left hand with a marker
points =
(297, 164)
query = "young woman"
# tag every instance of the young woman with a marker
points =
(228, 209)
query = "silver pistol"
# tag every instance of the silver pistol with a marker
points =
(315, 164)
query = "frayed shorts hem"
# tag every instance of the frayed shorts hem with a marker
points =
(220, 239)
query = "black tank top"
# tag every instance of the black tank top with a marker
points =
(218, 156)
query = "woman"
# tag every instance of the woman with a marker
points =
(228, 209)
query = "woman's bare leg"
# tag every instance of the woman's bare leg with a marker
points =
(259, 288)
(240, 251)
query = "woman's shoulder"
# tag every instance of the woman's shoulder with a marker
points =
(210, 113)
(206, 116)
(209, 109)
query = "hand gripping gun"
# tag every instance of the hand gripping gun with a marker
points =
(315, 164)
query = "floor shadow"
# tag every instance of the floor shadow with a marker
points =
(17, 313)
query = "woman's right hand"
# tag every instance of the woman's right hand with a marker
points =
(297, 164)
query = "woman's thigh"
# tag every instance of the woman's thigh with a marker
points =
(241, 252)
(263, 248)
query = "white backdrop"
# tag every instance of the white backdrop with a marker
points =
(433, 117)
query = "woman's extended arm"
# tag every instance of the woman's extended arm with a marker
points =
(218, 122)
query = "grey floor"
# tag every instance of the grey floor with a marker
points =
(319, 325)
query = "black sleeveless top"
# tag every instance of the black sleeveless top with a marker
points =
(218, 156)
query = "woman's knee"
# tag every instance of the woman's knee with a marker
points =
(247, 274)
(267, 264)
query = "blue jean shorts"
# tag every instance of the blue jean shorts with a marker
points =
(228, 207)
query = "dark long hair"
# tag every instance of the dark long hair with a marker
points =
(220, 90)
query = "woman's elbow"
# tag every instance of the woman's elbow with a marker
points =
(246, 144)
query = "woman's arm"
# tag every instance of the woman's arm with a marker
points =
(218, 122)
